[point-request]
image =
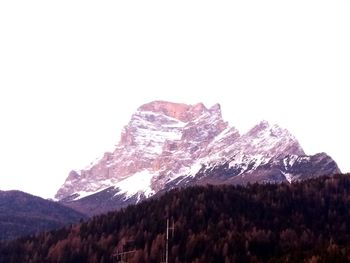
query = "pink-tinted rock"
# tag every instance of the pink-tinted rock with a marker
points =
(169, 140)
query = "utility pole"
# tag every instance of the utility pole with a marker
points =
(167, 242)
(167, 239)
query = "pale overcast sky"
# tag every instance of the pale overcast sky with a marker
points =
(73, 72)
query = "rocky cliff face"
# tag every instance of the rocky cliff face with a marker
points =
(167, 145)
(160, 142)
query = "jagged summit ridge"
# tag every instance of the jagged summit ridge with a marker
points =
(169, 144)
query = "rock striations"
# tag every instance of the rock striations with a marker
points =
(167, 145)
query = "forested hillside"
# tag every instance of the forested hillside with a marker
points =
(302, 222)
(23, 214)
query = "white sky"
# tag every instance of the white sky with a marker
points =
(73, 72)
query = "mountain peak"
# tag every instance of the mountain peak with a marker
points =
(168, 144)
(273, 130)
(180, 111)
(216, 108)
(278, 140)
(263, 125)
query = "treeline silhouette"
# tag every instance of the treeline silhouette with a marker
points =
(307, 221)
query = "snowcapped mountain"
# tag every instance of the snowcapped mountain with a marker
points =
(168, 145)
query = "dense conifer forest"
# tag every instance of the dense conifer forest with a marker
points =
(303, 222)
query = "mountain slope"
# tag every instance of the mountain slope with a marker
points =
(167, 145)
(23, 214)
(303, 222)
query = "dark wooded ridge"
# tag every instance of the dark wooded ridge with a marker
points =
(307, 221)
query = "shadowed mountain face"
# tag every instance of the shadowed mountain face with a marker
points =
(24, 214)
(167, 145)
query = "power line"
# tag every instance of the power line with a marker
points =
(123, 255)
